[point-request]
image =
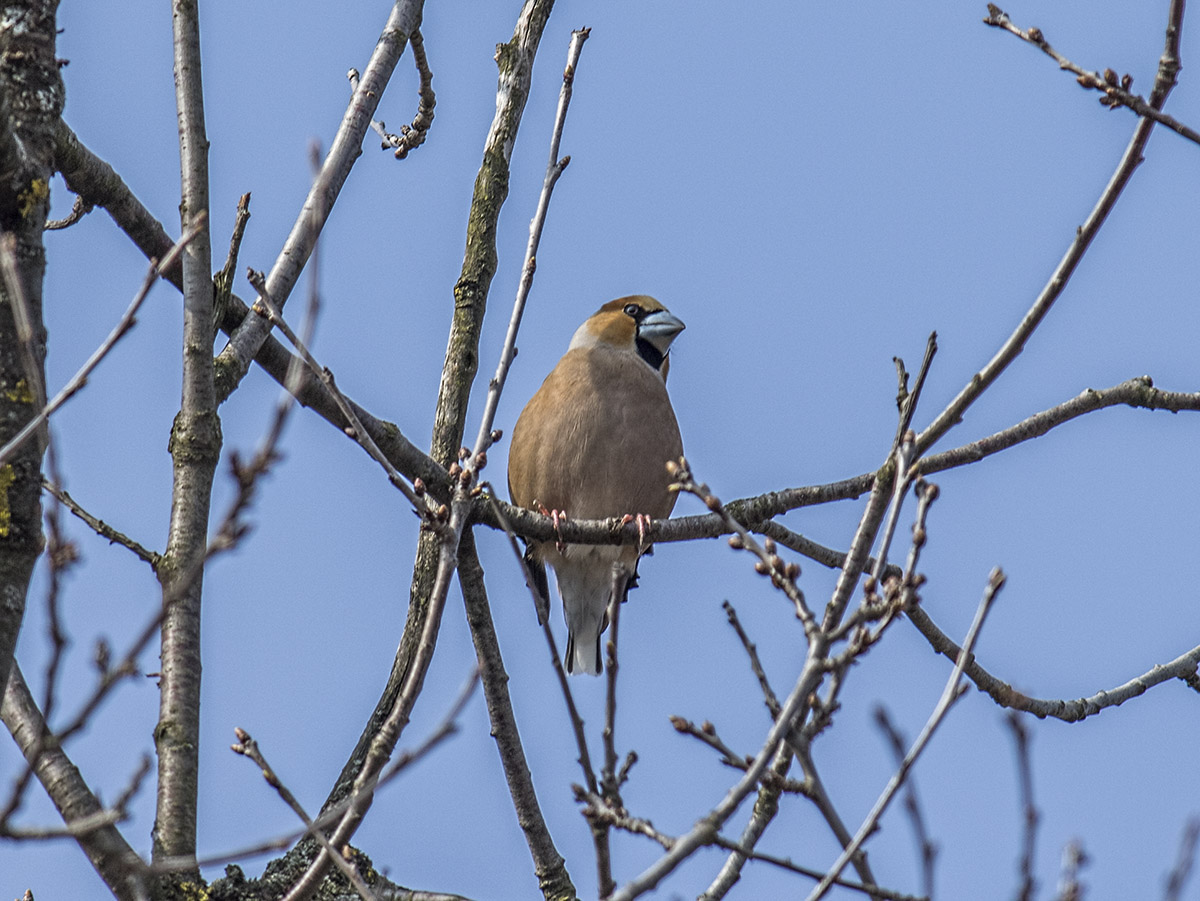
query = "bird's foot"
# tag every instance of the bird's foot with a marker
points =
(557, 517)
(643, 525)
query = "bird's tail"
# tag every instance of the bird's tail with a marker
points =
(583, 656)
(585, 581)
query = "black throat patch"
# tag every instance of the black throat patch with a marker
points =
(650, 353)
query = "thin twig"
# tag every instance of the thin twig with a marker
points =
(248, 747)
(1028, 886)
(766, 806)
(1074, 859)
(402, 21)
(99, 526)
(760, 674)
(446, 728)
(707, 828)
(79, 209)
(610, 781)
(1069, 711)
(411, 136)
(61, 554)
(905, 473)
(783, 863)
(819, 795)
(82, 826)
(908, 400)
(783, 575)
(1130, 160)
(706, 733)
(122, 327)
(266, 307)
(1115, 91)
(223, 280)
(950, 694)
(1184, 861)
(925, 847)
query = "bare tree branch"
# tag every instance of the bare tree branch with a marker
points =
(554, 169)
(248, 747)
(1029, 812)
(1068, 711)
(1183, 863)
(708, 826)
(1116, 92)
(438, 553)
(925, 846)
(1130, 160)
(756, 512)
(126, 322)
(404, 19)
(1074, 859)
(950, 694)
(873, 891)
(549, 866)
(195, 449)
(93, 178)
(79, 209)
(266, 306)
(117, 863)
(411, 136)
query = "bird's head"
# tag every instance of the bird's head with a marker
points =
(637, 323)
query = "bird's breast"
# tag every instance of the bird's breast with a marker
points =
(595, 439)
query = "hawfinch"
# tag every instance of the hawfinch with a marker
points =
(593, 443)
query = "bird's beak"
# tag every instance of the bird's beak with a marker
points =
(660, 329)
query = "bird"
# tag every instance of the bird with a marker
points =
(593, 443)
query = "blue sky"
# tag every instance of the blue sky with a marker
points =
(812, 188)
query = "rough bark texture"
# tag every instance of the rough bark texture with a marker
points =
(31, 99)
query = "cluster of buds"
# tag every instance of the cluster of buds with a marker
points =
(432, 517)
(1110, 84)
(769, 562)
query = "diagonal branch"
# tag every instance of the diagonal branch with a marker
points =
(950, 694)
(1130, 160)
(404, 19)
(93, 178)
(1116, 92)
(122, 327)
(122, 870)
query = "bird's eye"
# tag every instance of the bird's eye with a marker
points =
(633, 310)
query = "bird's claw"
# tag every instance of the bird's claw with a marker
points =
(643, 526)
(557, 517)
